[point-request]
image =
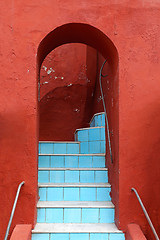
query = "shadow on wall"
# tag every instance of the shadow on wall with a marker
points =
(65, 72)
(62, 111)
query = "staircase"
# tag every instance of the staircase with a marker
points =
(74, 192)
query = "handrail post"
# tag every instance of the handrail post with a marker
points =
(13, 210)
(145, 213)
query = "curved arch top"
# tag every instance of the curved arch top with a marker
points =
(78, 33)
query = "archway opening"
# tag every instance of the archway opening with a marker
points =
(94, 38)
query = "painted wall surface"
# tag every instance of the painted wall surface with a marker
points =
(65, 91)
(134, 28)
(134, 232)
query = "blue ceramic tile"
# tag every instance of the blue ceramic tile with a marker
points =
(57, 161)
(103, 146)
(94, 134)
(55, 194)
(43, 161)
(99, 236)
(103, 119)
(92, 124)
(72, 215)
(71, 176)
(87, 194)
(54, 215)
(60, 148)
(40, 236)
(90, 215)
(101, 176)
(41, 215)
(103, 194)
(96, 120)
(72, 148)
(75, 137)
(71, 161)
(98, 161)
(83, 135)
(85, 161)
(84, 147)
(99, 120)
(42, 194)
(79, 236)
(59, 236)
(102, 132)
(94, 147)
(87, 176)
(43, 176)
(116, 236)
(71, 194)
(57, 176)
(106, 215)
(46, 148)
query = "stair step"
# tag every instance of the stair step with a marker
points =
(72, 175)
(74, 204)
(74, 191)
(76, 228)
(71, 214)
(98, 119)
(58, 147)
(92, 140)
(72, 160)
(85, 185)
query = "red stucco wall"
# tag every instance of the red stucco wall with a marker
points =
(134, 232)
(21, 231)
(65, 91)
(134, 28)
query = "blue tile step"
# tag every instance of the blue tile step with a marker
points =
(73, 175)
(92, 140)
(77, 231)
(90, 134)
(75, 212)
(72, 160)
(74, 191)
(51, 147)
(98, 120)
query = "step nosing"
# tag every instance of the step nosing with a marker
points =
(80, 129)
(72, 169)
(76, 228)
(75, 204)
(74, 185)
(71, 154)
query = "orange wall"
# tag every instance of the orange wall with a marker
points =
(134, 28)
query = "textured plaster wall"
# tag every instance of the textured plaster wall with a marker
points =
(66, 92)
(134, 28)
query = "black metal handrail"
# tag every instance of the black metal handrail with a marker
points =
(13, 210)
(146, 214)
(104, 106)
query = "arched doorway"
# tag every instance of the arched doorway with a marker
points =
(93, 37)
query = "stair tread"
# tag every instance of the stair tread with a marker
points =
(79, 129)
(72, 154)
(74, 204)
(72, 169)
(75, 228)
(74, 185)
